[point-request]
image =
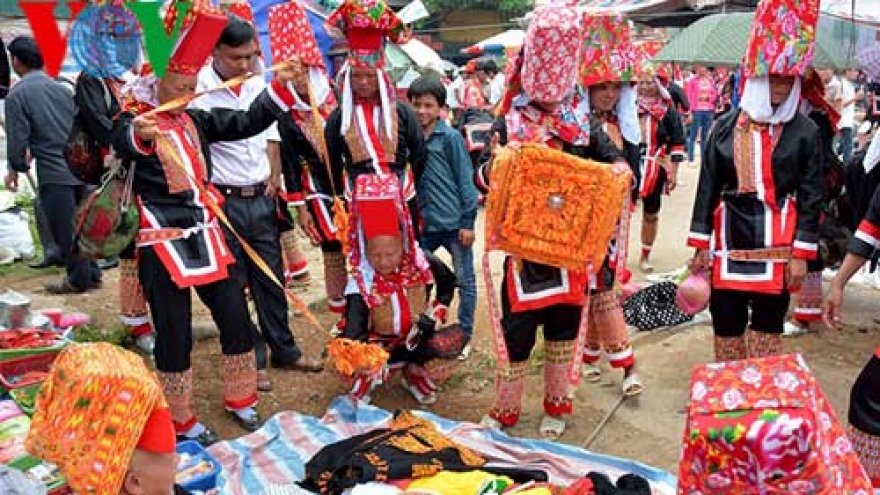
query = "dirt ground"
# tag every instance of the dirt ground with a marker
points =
(647, 429)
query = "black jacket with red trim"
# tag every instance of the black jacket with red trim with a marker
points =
(219, 124)
(297, 153)
(670, 136)
(867, 238)
(797, 171)
(411, 148)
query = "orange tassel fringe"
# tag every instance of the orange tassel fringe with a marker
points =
(352, 357)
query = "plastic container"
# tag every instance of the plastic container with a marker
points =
(31, 466)
(12, 368)
(11, 354)
(26, 397)
(693, 293)
(197, 454)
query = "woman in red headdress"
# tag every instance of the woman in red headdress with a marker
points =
(607, 80)
(756, 216)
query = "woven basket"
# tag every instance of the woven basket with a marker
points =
(551, 207)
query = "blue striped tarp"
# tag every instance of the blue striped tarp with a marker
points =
(278, 452)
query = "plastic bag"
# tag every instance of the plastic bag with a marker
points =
(15, 234)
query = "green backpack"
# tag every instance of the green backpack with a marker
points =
(108, 220)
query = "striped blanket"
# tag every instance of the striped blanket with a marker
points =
(274, 457)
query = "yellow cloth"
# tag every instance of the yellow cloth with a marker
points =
(453, 483)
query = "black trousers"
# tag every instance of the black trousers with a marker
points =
(864, 399)
(560, 323)
(59, 203)
(171, 309)
(730, 311)
(256, 220)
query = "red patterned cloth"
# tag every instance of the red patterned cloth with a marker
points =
(551, 53)
(291, 35)
(764, 426)
(782, 38)
(609, 55)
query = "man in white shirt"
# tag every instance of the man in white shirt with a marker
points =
(242, 173)
(487, 71)
(847, 97)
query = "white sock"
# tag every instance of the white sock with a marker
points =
(195, 431)
(244, 413)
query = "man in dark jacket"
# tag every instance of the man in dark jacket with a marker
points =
(39, 117)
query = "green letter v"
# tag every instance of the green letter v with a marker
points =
(157, 43)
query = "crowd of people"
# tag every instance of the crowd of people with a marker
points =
(380, 183)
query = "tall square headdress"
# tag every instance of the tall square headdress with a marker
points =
(291, 35)
(782, 38)
(367, 24)
(609, 55)
(98, 404)
(551, 52)
(200, 29)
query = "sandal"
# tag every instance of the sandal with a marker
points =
(591, 372)
(632, 385)
(491, 422)
(552, 427)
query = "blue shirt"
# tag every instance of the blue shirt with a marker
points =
(447, 195)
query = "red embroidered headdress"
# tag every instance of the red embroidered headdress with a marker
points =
(367, 24)
(609, 54)
(201, 28)
(291, 35)
(782, 38)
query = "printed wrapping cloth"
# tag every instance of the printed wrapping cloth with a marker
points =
(782, 38)
(609, 55)
(764, 426)
(551, 53)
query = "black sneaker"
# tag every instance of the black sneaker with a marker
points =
(206, 439)
(252, 423)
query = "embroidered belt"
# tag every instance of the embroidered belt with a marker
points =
(149, 237)
(242, 191)
(764, 254)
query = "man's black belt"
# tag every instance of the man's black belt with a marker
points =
(242, 191)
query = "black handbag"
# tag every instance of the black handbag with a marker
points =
(654, 307)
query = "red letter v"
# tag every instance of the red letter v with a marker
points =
(41, 17)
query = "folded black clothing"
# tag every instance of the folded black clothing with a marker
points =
(628, 484)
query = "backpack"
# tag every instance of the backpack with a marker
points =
(108, 220)
(82, 153)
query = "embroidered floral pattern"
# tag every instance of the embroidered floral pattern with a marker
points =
(551, 54)
(764, 426)
(608, 51)
(782, 38)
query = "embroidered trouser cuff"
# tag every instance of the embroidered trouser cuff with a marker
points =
(335, 278)
(178, 390)
(509, 387)
(557, 390)
(808, 300)
(428, 377)
(607, 331)
(295, 263)
(132, 303)
(762, 344)
(239, 380)
(730, 349)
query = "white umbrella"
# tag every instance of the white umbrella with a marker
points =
(422, 54)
